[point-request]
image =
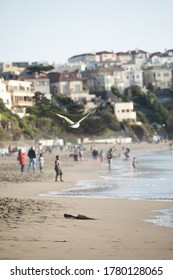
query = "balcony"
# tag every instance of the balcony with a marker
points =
(22, 103)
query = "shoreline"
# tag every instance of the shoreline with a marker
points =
(34, 227)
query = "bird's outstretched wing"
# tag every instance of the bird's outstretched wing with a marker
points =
(86, 116)
(67, 119)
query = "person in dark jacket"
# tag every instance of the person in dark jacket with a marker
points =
(32, 159)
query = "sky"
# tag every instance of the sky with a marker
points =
(55, 30)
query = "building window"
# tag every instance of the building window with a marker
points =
(65, 89)
(67, 76)
(21, 87)
(162, 84)
(55, 90)
(77, 88)
(42, 83)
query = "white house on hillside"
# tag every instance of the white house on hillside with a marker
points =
(133, 74)
(105, 77)
(159, 58)
(21, 96)
(85, 58)
(93, 57)
(12, 69)
(39, 83)
(69, 84)
(105, 56)
(160, 77)
(4, 95)
(125, 111)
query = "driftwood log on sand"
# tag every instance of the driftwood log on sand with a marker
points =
(78, 217)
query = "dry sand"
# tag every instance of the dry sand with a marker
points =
(33, 227)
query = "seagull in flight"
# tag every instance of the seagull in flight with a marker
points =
(75, 124)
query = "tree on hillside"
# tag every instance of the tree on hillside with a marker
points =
(116, 92)
(132, 91)
(42, 107)
(69, 105)
(39, 68)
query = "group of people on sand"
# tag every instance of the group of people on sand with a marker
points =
(77, 155)
(98, 155)
(57, 167)
(110, 154)
(127, 156)
(32, 160)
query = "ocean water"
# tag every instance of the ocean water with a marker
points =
(152, 180)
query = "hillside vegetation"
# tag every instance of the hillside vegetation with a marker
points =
(42, 121)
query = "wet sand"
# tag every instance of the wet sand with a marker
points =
(33, 226)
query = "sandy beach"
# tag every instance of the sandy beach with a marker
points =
(33, 226)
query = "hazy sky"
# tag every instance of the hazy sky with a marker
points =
(55, 30)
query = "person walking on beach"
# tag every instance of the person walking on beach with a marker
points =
(80, 155)
(134, 163)
(109, 158)
(58, 169)
(127, 153)
(95, 155)
(101, 155)
(32, 159)
(41, 162)
(21, 159)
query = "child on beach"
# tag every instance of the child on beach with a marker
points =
(41, 162)
(134, 163)
(80, 156)
(127, 153)
(21, 159)
(101, 155)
